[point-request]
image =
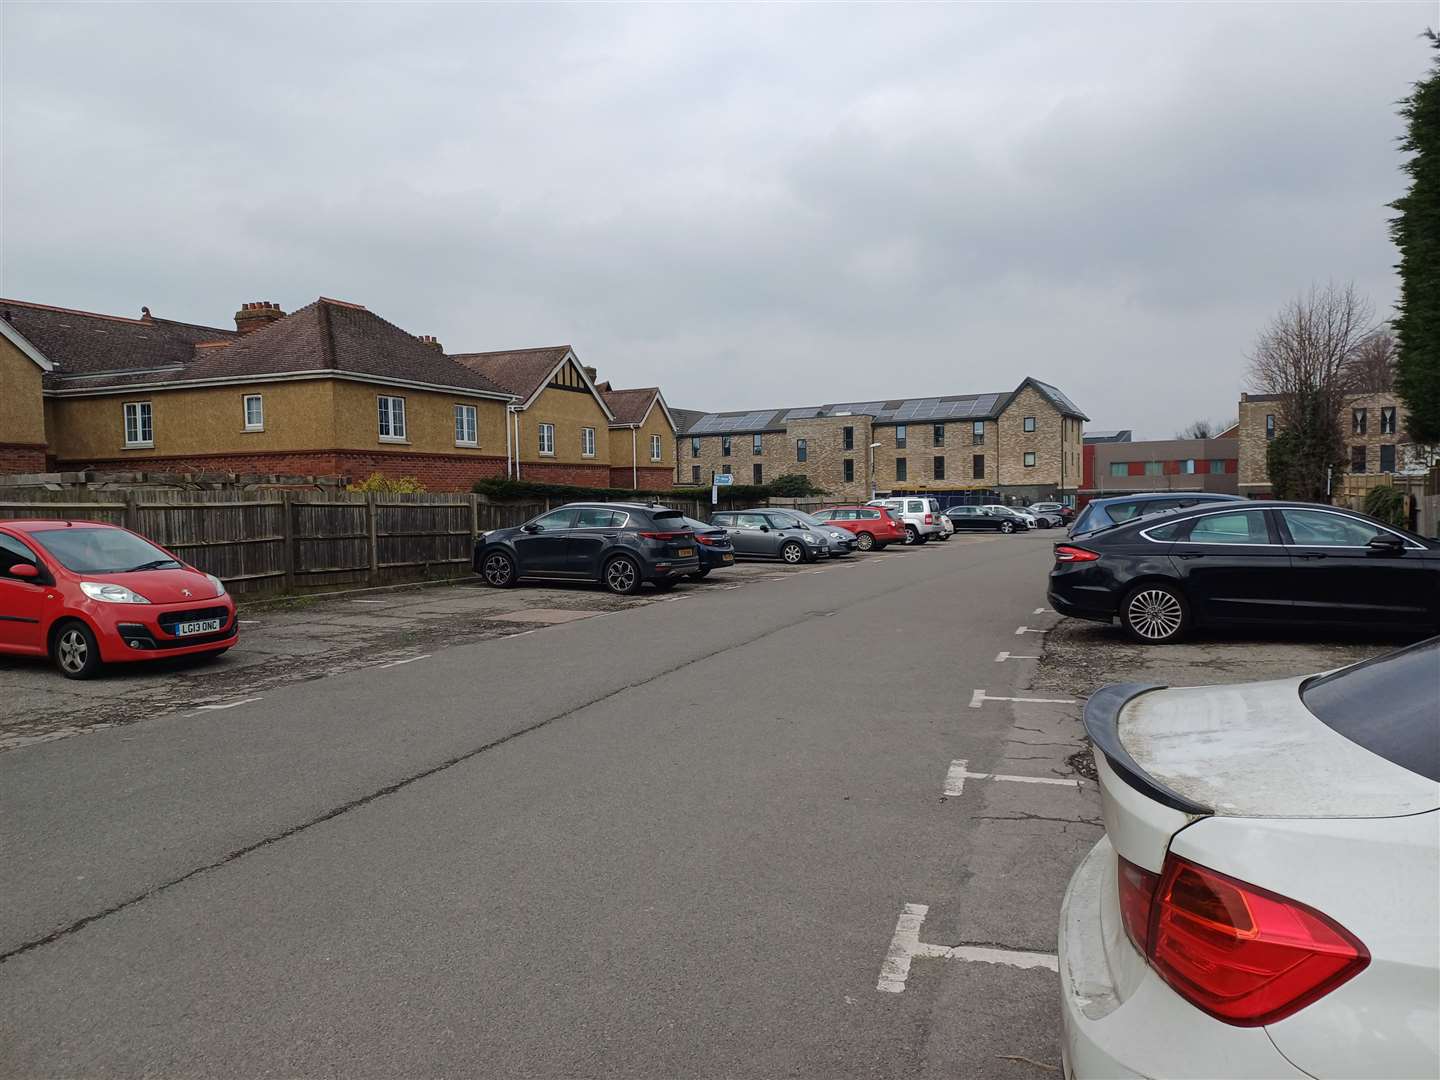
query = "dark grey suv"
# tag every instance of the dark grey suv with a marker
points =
(620, 545)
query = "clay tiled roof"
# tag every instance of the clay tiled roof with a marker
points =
(630, 406)
(97, 352)
(81, 342)
(520, 371)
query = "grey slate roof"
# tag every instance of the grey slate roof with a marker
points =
(951, 408)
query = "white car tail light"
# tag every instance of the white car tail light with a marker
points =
(1243, 954)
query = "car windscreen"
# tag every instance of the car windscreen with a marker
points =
(102, 551)
(669, 519)
(805, 518)
(1389, 705)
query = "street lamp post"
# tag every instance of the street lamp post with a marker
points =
(873, 447)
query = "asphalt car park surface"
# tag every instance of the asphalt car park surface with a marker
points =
(787, 821)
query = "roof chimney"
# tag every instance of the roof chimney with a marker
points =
(256, 315)
(591, 373)
(429, 339)
(603, 387)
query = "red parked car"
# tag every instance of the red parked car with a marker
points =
(84, 593)
(874, 526)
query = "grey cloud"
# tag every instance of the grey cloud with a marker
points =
(748, 205)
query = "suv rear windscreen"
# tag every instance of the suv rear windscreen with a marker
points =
(1389, 705)
(669, 519)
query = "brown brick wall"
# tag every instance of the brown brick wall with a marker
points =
(1057, 443)
(21, 458)
(1254, 473)
(649, 479)
(438, 472)
(560, 472)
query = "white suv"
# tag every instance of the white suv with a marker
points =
(921, 517)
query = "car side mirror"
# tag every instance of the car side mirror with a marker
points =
(764, 528)
(24, 570)
(531, 527)
(1386, 545)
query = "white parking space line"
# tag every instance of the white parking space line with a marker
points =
(368, 601)
(959, 772)
(896, 967)
(1010, 957)
(222, 705)
(979, 697)
(407, 660)
(727, 588)
(1028, 630)
(906, 946)
(1000, 658)
(248, 622)
(1041, 611)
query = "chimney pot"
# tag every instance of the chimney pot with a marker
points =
(256, 314)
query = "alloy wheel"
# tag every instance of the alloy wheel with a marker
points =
(912, 534)
(497, 570)
(792, 553)
(865, 541)
(1155, 614)
(73, 650)
(620, 576)
(1006, 527)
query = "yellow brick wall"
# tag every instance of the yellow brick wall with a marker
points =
(655, 424)
(569, 411)
(429, 421)
(22, 412)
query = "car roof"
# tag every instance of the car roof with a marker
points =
(611, 506)
(29, 525)
(1178, 512)
(1150, 496)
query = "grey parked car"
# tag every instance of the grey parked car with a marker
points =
(771, 534)
(841, 542)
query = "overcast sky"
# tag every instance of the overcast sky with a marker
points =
(750, 206)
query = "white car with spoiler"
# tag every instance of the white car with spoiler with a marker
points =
(1264, 901)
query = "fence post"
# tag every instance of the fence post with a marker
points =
(474, 517)
(370, 530)
(132, 512)
(287, 520)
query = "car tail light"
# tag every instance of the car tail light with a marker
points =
(929, 519)
(1243, 954)
(709, 541)
(665, 535)
(1066, 553)
(1137, 896)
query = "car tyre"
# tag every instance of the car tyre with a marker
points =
(1007, 526)
(1155, 613)
(498, 569)
(864, 541)
(793, 552)
(912, 535)
(75, 651)
(701, 575)
(622, 575)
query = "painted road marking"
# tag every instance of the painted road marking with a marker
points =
(1027, 630)
(222, 705)
(727, 588)
(1000, 658)
(1011, 957)
(959, 772)
(896, 967)
(906, 946)
(979, 697)
(367, 601)
(249, 622)
(1041, 611)
(407, 660)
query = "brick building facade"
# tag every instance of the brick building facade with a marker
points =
(1372, 427)
(1021, 446)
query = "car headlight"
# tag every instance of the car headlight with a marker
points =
(111, 594)
(810, 538)
(219, 585)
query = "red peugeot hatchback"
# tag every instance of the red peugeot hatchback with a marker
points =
(84, 593)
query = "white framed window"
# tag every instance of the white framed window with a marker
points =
(139, 424)
(654, 447)
(547, 439)
(254, 412)
(467, 430)
(587, 442)
(1029, 459)
(392, 418)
